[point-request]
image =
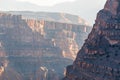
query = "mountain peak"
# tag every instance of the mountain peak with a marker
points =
(99, 58)
(112, 6)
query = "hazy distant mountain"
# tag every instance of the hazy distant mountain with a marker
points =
(83, 8)
(49, 16)
(78, 7)
(13, 5)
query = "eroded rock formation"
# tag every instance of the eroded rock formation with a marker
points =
(99, 58)
(28, 44)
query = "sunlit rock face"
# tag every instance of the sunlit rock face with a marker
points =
(32, 49)
(70, 39)
(99, 58)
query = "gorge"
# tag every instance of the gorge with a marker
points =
(38, 49)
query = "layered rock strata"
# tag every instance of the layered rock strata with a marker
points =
(99, 58)
(30, 49)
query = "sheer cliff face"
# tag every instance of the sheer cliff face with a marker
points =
(70, 39)
(99, 58)
(31, 49)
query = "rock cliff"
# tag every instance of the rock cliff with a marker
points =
(30, 49)
(99, 58)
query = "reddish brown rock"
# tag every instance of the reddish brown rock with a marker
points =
(99, 58)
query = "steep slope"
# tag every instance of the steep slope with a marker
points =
(30, 49)
(99, 58)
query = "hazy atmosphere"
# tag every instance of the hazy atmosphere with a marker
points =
(86, 9)
(59, 40)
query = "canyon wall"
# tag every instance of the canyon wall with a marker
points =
(99, 58)
(37, 49)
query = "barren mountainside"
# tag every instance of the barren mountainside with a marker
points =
(99, 58)
(32, 49)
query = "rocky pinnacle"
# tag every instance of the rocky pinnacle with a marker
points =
(99, 58)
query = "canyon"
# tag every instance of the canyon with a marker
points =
(99, 57)
(37, 49)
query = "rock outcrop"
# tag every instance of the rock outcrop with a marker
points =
(28, 44)
(99, 58)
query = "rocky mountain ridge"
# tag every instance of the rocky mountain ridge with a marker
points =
(99, 57)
